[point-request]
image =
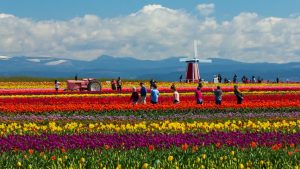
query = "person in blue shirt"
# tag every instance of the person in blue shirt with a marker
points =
(143, 93)
(218, 95)
(154, 94)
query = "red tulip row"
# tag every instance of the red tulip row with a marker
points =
(161, 89)
(123, 103)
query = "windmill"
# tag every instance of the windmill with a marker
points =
(192, 69)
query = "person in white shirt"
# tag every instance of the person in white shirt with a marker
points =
(56, 85)
(176, 99)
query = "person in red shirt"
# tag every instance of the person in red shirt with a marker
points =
(198, 95)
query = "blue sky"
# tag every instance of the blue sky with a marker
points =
(242, 30)
(67, 9)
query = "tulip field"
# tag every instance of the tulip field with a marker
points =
(42, 128)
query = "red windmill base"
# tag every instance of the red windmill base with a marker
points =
(192, 72)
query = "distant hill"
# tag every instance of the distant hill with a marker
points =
(130, 68)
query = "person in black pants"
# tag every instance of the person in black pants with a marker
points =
(119, 84)
(218, 95)
(134, 96)
(238, 94)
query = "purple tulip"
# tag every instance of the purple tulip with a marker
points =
(131, 141)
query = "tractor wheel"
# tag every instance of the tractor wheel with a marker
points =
(94, 86)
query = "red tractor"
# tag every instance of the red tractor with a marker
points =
(89, 84)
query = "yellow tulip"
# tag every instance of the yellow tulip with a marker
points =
(145, 166)
(119, 166)
(170, 158)
(198, 160)
(82, 160)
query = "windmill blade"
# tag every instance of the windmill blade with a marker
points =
(189, 60)
(184, 59)
(205, 60)
(195, 48)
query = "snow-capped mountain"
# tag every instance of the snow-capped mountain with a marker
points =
(126, 67)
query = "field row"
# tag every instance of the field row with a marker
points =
(262, 89)
(284, 126)
(184, 157)
(50, 85)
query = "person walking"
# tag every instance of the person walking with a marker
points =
(180, 78)
(218, 95)
(119, 84)
(56, 85)
(198, 95)
(219, 78)
(226, 80)
(152, 83)
(143, 93)
(253, 80)
(175, 95)
(134, 96)
(238, 94)
(154, 94)
(113, 84)
(215, 79)
(234, 80)
(200, 84)
(244, 79)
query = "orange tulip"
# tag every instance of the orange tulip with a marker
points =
(30, 151)
(253, 144)
(53, 158)
(184, 146)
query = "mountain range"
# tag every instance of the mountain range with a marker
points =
(129, 68)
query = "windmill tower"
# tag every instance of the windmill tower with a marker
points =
(192, 69)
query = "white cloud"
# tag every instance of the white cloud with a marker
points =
(206, 9)
(4, 57)
(154, 32)
(34, 60)
(53, 63)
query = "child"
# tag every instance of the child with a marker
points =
(198, 95)
(218, 95)
(175, 95)
(134, 96)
